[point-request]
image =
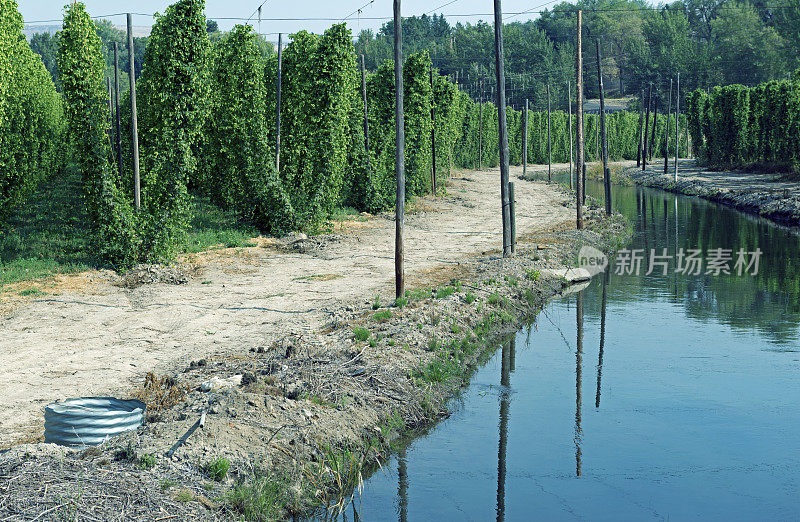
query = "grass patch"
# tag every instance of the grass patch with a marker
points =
(382, 316)
(512, 281)
(211, 227)
(400, 302)
(263, 497)
(147, 461)
(184, 495)
(319, 277)
(49, 234)
(167, 484)
(360, 333)
(32, 292)
(494, 299)
(446, 291)
(217, 469)
(376, 303)
(418, 294)
(470, 298)
(532, 275)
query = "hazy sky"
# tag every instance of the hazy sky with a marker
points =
(41, 10)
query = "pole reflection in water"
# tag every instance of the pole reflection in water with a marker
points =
(506, 367)
(402, 484)
(602, 337)
(578, 362)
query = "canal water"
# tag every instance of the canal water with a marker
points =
(641, 397)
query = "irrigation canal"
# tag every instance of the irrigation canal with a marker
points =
(643, 396)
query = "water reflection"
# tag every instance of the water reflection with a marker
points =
(578, 364)
(602, 337)
(506, 367)
(402, 484)
(699, 416)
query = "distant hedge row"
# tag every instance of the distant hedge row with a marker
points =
(737, 126)
(31, 115)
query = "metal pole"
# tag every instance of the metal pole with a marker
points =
(400, 173)
(501, 115)
(579, 114)
(137, 198)
(278, 106)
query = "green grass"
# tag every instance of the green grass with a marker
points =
(146, 461)
(49, 234)
(376, 303)
(167, 484)
(400, 302)
(494, 299)
(470, 298)
(443, 292)
(532, 275)
(217, 469)
(360, 333)
(382, 316)
(263, 497)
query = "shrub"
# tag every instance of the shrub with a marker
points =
(174, 100)
(217, 469)
(81, 65)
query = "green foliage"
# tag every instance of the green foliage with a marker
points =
(382, 316)
(737, 126)
(174, 96)
(400, 302)
(217, 469)
(240, 170)
(360, 334)
(318, 91)
(31, 115)
(261, 497)
(146, 461)
(80, 61)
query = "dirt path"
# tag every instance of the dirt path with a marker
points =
(97, 340)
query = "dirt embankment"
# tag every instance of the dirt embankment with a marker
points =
(307, 369)
(766, 195)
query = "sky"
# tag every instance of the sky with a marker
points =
(45, 10)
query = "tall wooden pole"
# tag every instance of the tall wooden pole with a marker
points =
(603, 134)
(549, 139)
(571, 144)
(646, 127)
(480, 130)
(137, 198)
(278, 105)
(364, 96)
(399, 163)
(525, 140)
(666, 136)
(501, 115)
(641, 131)
(677, 120)
(433, 137)
(579, 114)
(116, 108)
(110, 113)
(653, 135)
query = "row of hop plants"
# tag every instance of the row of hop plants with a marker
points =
(31, 115)
(737, 126)
(207, 126)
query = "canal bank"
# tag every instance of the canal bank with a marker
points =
(297, 421)
(653, 394)
(770, 196)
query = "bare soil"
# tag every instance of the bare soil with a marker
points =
(262, 340)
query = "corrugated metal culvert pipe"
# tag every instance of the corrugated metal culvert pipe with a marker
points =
(89, 421)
